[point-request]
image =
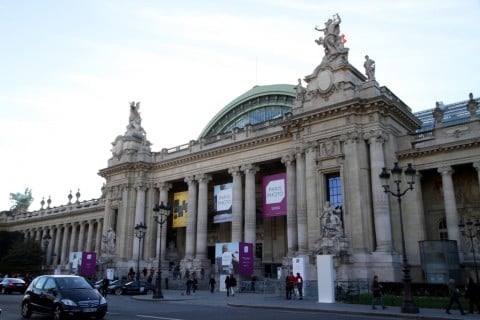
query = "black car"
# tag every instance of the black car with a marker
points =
(9, 285)
(63, 296)
(116, 286)
(136, 287)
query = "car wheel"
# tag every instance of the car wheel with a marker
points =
(57, 313)
(26, 311)
(149, 291)
(118, 291)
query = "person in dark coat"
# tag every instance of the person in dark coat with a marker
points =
(212, 283)
(377, 293)
(473, 295)
(105, 284)
(227, 285)
(454, 295)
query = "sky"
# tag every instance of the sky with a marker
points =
(69, 70)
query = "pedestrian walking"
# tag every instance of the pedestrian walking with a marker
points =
(454, 294)
(473, 295)
(289, 284)
(194, 284)
(377, 293)
(105, 284)
(227, 285)
(299, 284)
(212, 283)
(189, 286)
(233, 284)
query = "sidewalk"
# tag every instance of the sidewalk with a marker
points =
(269, 301)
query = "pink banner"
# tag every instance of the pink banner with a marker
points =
(274, 195)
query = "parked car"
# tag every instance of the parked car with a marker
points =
(116, 285)
(9, 285)
(63, 296)
(98, 285)
(136, 287)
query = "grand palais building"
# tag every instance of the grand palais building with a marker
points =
(317, 148)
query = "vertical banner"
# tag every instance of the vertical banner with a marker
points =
(227, 257)
(222, 203)
(274, 195)
(75, 261)
(89, 264)
(246, 258)
(180, 209)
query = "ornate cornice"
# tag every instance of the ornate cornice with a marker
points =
(438, 148)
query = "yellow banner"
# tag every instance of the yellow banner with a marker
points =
(180, 209)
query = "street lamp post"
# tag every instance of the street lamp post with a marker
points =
(408, 303)
(140, 230)
(160, 214)
(46, 239)
(471, 234)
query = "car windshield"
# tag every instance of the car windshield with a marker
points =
(17, 280)
(73, 283)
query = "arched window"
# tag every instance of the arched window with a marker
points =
(442, 229)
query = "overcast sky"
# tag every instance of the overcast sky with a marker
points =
(69, 70)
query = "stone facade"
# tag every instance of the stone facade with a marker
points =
(341, 124)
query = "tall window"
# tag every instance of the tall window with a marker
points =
(442, 230)
(334, 189)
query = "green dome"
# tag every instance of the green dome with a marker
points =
(259, 104)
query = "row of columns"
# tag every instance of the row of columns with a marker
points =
(66, 238)
(243, 208)
(381, 209)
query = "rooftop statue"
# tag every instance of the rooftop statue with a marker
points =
(331, 40)
(369, 66)
(135, 121)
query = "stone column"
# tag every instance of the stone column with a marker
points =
(139, 216)
(250, 207)
(191, 231)
(88, 247)
(313, 221)
(237, 214)
(151, 237)
(301, 203)
(450, 204)
(66, 234)
(292, 239)
(38, 237)
(73, 237)
(98, 238)
(81, 236)
(202, 220)
(476, 165)
(164, 188)
(48, 249)
(381, 207)
(107, 216)
(57, 238)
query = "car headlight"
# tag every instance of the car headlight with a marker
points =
(69, 302)
(103, 300)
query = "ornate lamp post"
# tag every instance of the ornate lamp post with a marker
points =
(160, 214)
(46, 240)
(472, 234)
(408, 303)
(140, 230)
